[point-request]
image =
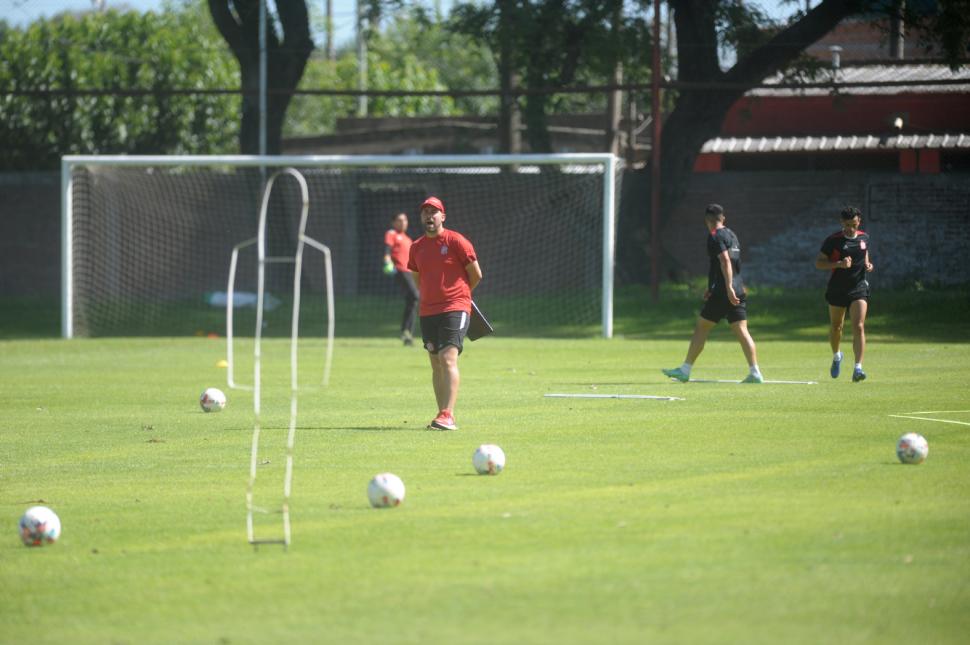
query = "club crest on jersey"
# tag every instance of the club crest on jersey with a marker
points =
(862, 246)
(444, 249)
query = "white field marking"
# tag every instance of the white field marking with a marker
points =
(936, 411)
(613, 396)
(907, 416)
(702, 380)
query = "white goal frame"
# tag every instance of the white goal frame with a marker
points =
(609, 162)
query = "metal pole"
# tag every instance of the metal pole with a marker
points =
(655, 158)
(361, 61)
(262, 77)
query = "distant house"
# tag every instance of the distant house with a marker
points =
(907, 128)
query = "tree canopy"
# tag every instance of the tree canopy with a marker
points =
(118, 52)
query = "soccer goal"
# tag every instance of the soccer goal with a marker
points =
(145, 239)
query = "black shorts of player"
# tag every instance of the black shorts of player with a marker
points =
(846, 298)
(441, 330)
(718, 307)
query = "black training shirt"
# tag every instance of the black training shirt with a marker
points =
(720, 240)
(837, 246)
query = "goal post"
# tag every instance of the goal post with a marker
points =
(143, 233)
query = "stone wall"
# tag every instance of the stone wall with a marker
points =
(919, 225)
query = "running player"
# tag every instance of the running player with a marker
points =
(725, 298)
(846, 255)
(446, 270)
(397, 249)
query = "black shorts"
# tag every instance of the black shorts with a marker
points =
(718, 307)
(441, 330)
(846, 298)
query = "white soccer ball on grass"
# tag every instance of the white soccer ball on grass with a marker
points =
(488, 459)
(212, 400)
(912, 448)
(39, 525)
(385, 490)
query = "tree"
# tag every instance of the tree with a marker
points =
(556, 43)
(61, 58)
(762, 48)
(288, 47)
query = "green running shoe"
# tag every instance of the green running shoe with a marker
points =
(677, 374)
(753, 378)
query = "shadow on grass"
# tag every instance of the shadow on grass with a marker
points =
(902, 315)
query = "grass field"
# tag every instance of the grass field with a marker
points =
(752, 514)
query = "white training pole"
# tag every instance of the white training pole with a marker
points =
(230, 308)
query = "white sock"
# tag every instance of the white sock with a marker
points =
(858, 366)
(755, 371)
(685, 368)
(837, 356)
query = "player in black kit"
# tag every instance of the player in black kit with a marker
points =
(846, 255)
(725, 298)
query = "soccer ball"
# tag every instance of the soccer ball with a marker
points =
(912, 448)
(488, 459)
(39, 526)
(385, 490)
(212, 400)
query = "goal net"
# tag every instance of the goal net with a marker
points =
(147, 240)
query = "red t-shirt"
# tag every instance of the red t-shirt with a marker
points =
(400, 245)
(441, 262)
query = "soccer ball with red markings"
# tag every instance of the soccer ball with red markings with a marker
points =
(212, 400)
(912, 448)
(488, 459)
(385, 490)
(39, 525)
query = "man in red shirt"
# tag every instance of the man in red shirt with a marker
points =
(446, 269)
(397, 248)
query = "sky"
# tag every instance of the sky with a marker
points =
(21, 12)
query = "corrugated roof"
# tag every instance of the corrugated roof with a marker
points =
(877, 74)
(736, 145)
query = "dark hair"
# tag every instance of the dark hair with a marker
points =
(714, 211)
(398, 215)
(850, 212)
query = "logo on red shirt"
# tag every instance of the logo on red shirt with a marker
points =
(444, 249)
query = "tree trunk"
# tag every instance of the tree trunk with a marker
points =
(699, 113)
(286, 60)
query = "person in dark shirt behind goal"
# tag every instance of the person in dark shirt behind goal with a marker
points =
(846, 255)
(725, 298)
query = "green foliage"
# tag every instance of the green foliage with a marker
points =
(114, 51)
(414, 52)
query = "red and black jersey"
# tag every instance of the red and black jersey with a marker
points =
(838, 246)
(440, 262)
(720, 240)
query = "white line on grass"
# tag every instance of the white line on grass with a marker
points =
(936, 411)
(613, 396)
(907, 416)
(704, 380)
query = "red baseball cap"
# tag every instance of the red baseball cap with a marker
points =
(433, 202)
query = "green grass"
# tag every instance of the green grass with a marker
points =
(754, 514)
